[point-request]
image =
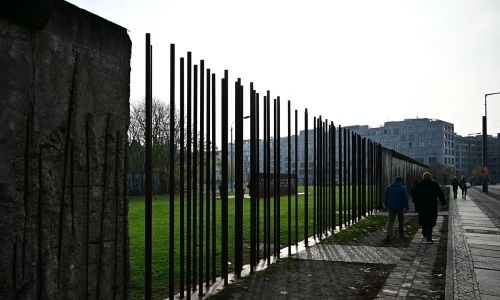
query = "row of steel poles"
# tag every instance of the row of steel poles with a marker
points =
(347, 177)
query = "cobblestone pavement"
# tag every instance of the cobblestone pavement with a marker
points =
(365, 268)
(418, 273)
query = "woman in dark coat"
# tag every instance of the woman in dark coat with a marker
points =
(425, 198)
(454, 184)
(463, 186)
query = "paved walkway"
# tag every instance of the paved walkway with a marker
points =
(413, 275)
(469, 238)
(473, 258)
(473, 250)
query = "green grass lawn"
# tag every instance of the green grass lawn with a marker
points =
(160, 223)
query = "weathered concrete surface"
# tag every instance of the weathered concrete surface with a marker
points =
(64, 111)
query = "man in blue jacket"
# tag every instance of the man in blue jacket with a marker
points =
(396, 202)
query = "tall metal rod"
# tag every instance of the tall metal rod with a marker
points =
(358, 165)
(379, 175)
(296, 179)
(319, 176)
(195, 176)
(214, 188)
(368, 178)
(256, 118)
(148, 170)
(268, 176)
(171, 185)
(373, 176)
(363, 176)
(238, 114)
(354, 176)
(224, 176)
(189, 183)
(277, 170)
(208, 173)
(306, 179)
(253, 184)
(275, 180)
(315, 177)
(349, 176)
(333, 172)
(201, 179)
(323, 177)
(372, 181)
(289, 179)
(341, 177)
(182, 178)
(326, 178)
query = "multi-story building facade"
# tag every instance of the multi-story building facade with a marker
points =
(429, 141)
(468, 155)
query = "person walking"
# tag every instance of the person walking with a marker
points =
(425, 198)
(454, 184)
(463, 186)
(396, 202)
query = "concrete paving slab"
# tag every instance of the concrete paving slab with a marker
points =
(489, 230)
(486, 247)
(482, 236)
(488, 281)
(485, 252)
(486, 262)
(480, 226)
(487, 266)
(489, 297)
(483, 242)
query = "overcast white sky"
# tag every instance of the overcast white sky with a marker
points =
(356, 62)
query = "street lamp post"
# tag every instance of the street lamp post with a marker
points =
(485, 145)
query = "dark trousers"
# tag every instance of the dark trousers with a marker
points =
(427, 221)
(401, 220)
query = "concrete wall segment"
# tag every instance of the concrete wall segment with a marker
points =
(64, 113)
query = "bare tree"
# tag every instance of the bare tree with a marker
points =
(160, 138)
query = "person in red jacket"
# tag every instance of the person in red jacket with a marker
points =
(426, 194)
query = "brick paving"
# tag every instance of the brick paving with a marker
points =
(415, 275)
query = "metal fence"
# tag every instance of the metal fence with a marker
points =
(344, 185)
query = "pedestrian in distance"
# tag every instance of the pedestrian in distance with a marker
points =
(396, 202)
(454, 184)
(463, 186)
(426, 195)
